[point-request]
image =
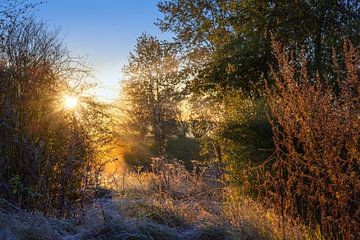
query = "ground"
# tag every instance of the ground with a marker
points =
(164, 205)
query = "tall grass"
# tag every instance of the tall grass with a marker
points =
(151, 205)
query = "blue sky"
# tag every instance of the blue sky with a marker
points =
(104, 31)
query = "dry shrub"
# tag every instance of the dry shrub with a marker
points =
(316, 127)
(49, 155)
(255, 221)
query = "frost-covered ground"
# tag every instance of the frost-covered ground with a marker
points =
(173, 204)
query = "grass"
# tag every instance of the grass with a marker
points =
(188, 208)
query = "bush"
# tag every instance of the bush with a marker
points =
(48, 154)
(185, 149)
(243, 137)
(316, 129)
(139, 154)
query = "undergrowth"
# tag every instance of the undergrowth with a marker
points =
(146, 206)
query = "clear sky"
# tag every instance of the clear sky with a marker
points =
(104, 31)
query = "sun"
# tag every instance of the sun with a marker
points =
(70, 102)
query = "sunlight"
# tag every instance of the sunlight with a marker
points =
(70, 102)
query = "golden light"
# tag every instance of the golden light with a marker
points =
(70, 102)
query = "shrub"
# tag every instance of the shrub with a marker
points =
(316, 130)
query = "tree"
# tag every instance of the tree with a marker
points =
(151, 90)
(234, 37)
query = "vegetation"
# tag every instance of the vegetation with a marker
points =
(48, 153)
(316, 133)
(245, 126)
(187, 208)
(152, 90)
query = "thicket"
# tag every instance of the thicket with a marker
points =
(48, 154)
(315, 173)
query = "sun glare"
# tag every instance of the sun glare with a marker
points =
(70, 102)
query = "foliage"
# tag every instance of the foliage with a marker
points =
(315, 175)
(151, 90)
(185, 149)
(235, 134)
(246, 137)
(47, 153)
(228, 42)
(138, 154)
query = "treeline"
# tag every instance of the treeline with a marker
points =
(49, 155)
(270, 91)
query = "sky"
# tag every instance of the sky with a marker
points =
(103, 31)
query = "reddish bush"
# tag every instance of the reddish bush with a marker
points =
(316, 126)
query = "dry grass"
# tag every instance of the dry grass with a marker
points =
(141, 209)
(316, 127)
